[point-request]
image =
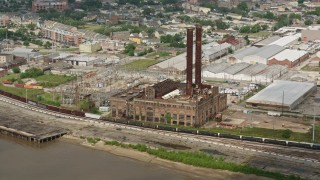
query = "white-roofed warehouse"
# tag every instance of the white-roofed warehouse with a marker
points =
(258, 73)
(281, 94)
(178, 64)
(289, 57)
(261, 55)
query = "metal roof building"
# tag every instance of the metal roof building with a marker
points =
(258, 73)
(290, 55)
(271, 73)
(280, 95)
(261, 55)
(239, 55)
(287, 40)
(178, 64)
(249, 74)
(267, 41)
(225, 72)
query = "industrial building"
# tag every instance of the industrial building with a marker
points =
(6, 58)
(282, 95)
(258, 73)
(177, 64)
(261, 55)
(90, 47)
(239, 55)
(287, 40)
(173, 102)
(83, 60)
(289, 57)
(266, 41)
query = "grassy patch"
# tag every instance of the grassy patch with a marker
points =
(263, 132)
(44, 53)
(32, 94)
(201, 159)
(92, 27)
(92, 140)
(50, 80)
(158, 54)
(47, 80)
(311, 68)
(139, 64)
(69, 49)
(10, 77)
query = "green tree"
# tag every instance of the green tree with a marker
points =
(84, 105)
(26, 43)
(91, 5)
(229, 18)
(230, 51)
(246, 38)
(221, 25)
(243, 6)
(129, 48)
(245, 29)
(31, 73)
(16, 70)
(131, 53)
(31, 26)
(148, 11)
(308, 22)
(300, 1)
(264, 27)
(47, 45)
(269, 15)
(255, 28)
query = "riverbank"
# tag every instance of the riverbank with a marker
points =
(230, 150)
(197, 172)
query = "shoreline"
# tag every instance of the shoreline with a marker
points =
(196, 172)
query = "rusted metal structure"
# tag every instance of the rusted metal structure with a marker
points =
(189, 61)
(198, 56)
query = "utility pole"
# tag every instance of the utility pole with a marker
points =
(314, 120)
(26, 95)
(7, 40)
(282, 103)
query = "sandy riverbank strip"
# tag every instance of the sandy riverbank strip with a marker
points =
(196, 172)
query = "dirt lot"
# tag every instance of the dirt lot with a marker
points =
(311, 105)
(270, 122)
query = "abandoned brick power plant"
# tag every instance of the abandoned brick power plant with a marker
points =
(188, 104)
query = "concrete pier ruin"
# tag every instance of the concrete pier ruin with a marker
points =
(30, 131)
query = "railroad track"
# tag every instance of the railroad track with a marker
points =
(284, 152)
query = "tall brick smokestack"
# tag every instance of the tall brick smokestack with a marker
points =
(189, 60)
(198, 56)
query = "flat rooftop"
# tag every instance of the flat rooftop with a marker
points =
(282, 92)
(28, 128)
